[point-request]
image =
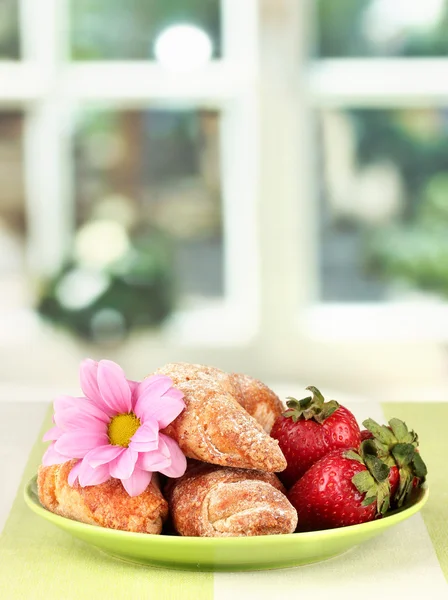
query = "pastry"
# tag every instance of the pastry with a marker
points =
(211, 501)
(213, 427)
(259, 400)
(106, 504)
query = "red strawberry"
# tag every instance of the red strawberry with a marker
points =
(366, 435)
(394, 481)
(311, 428)
(396, 446)
(341, 489)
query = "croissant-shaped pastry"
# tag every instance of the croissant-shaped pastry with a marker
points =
(259, 400)
(106, 504)
(210, 501)
(213, 427)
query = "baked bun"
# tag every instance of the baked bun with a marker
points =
(213, 427)
(107, 504)
(210, 501)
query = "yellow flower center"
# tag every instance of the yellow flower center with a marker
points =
(122, 428)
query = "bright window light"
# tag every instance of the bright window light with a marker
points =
(183, 48)
(388, 18)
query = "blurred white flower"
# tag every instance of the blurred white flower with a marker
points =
(98, 244)
(79, 288)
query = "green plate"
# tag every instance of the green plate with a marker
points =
(224, 554)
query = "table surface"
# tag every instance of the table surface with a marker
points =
(406, 562)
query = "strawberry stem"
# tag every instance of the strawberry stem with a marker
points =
(312, 407)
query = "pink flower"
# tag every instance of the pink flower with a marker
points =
(115, 428)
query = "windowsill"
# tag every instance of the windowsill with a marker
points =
(397, 321)
(215, 324)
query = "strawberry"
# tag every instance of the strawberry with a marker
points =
(396, 446)
(366, 435)
(394, 481)
(311, 428)
(341, 489)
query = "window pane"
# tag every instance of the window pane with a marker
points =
(128, 29)
(148, 218)
(12, 211)
(382, 28)
(9, 30)
(384, 204)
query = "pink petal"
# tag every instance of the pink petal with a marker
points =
(76, 418)
(53, 457)
(88, 371)
(73, 475)
(164, 410)
(137, 483)
(88, 374)
(123, 466)
(76, 444)
(159, 384)
(178, 461)
(133, 386)
(52, 434)
(99, 410)
(154, 461)
(174, 394)
(146, 437)
(89, 476)
(64, 402)
(150, 389)
(103, 455)
(114, 387)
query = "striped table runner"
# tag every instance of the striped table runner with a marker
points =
(38, 560)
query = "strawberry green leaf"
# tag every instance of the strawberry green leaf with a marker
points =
(316, 393)
(400, 430)
(363, 481)
(291, 414)
(352, 455)
(383, 497)
(369, 446)
(405, 487)
(327, 410)
(311, 407)
(377, 467)
(420, 469)
(403, 454)
(382, 433)
(368, 500)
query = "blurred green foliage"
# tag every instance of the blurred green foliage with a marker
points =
(418, 253)
(139, 293)
(341, 32)
(9, 30)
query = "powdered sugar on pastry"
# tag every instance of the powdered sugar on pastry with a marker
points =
(259, 400)
(221, 502)
(214, 428)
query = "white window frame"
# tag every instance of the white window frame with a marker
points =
(271, 323)
(50, 88)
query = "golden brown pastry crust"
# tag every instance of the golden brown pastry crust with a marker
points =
(259, 400)
(210, 501)
(214, 428)
(106, 505)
